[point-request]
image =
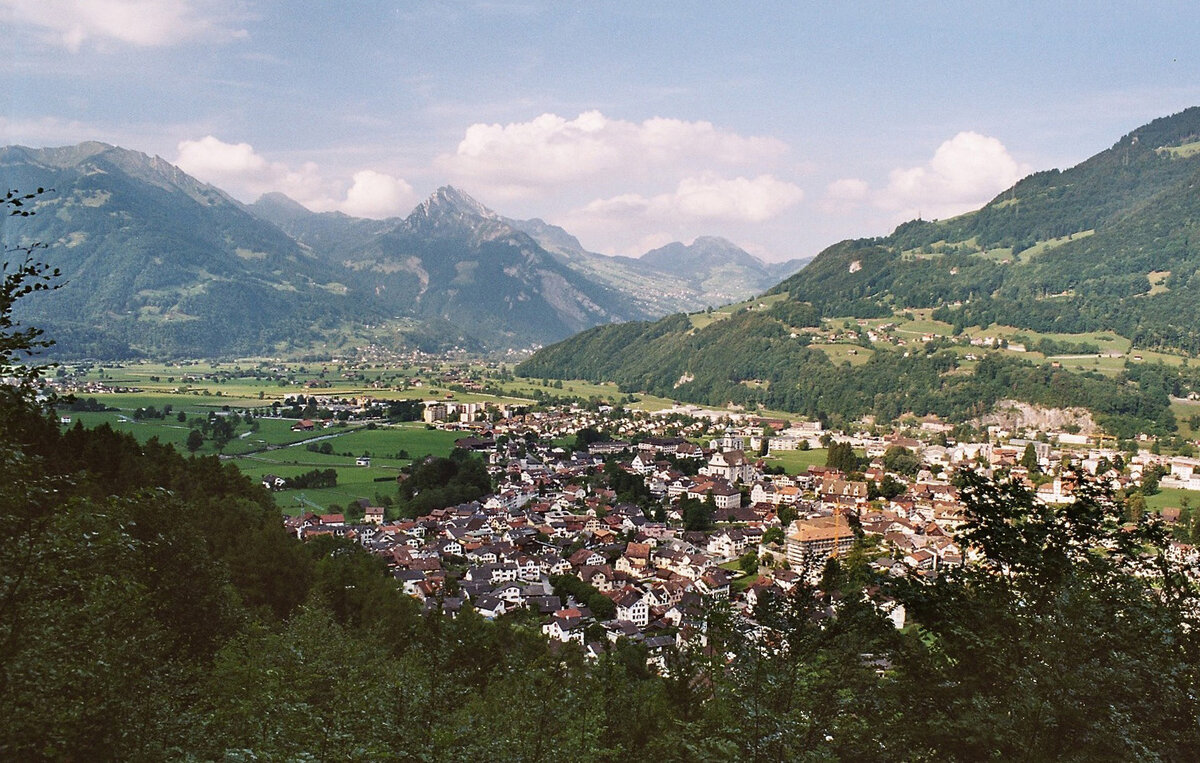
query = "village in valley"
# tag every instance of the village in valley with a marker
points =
(608, 524)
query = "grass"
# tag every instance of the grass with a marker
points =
(1106, 366)
(274, 448)
(1181, 152)
(1183, 410)
(702, 319)
(853, 354)
(797, 461)
(1158, 280)
(1172, 497)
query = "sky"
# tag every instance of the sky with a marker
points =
(782, 126)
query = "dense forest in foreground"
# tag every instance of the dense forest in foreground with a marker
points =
(152, 607)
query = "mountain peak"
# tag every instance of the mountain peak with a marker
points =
(448, 200)
(277, 206)
(704, 252)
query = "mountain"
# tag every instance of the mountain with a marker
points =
(677, 277)
(718, 268)
(1111, 245)
(158, 262)
(456, 260)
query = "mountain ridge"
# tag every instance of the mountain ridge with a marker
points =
(160, 263)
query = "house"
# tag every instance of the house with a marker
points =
(714, 583)
(643, 463)
(490, 607)
(727, 544)
(599, 578)
(565, 625)
(362, 461)
(632, 606)
(373, 515)
(586, 557)
(725, 496)
(303, 425)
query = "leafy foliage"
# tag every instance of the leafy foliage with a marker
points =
(438, 482)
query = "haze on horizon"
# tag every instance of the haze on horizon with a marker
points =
(783, 130)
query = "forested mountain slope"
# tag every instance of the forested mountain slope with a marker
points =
(158, 263)
(1111, 244)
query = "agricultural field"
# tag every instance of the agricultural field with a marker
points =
(705, 318)
(1184, 410)
(268, 445)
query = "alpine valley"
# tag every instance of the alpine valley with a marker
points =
(159, 264)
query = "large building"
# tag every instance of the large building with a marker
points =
(812, 541)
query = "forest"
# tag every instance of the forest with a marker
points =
(752, 359)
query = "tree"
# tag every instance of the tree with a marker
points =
(194, 440)
(901, 460)
(697, 514)
(787, 514)
(748, 562)
(1005, 639)
(841, 456)
(1029, 459)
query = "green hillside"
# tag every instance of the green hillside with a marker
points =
(1110, 245)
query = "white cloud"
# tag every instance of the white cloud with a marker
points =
(141, 23)
(375, 194)
(243, 172)
(633, 223)
(522, 157)
(845, 195)
(965, 173)
(707, 198)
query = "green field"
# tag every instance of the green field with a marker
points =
(702, 319)
(274, 448)
(1184, 410)
(853, 354)
(1172, 497)
(797, 461)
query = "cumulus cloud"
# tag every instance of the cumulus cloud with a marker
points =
(375, 194)
(964, 173)
(141, 23)
(243, 172)
(845, 193)
(707, 198)
(708, 204)
(519, 157)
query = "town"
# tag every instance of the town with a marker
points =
(608, 524)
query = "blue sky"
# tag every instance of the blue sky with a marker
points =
(781, 126)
